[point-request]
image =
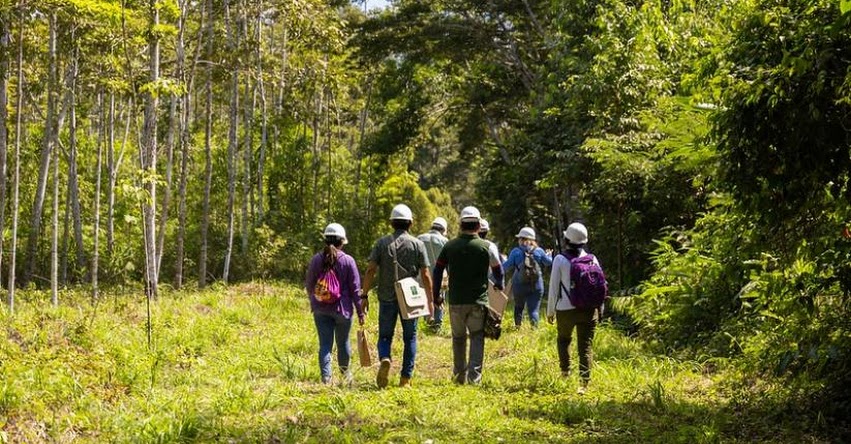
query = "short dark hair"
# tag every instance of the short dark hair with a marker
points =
(483, 233)
(401, 224)
(438, 228)
(470, 225)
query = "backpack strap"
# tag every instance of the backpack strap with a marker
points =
(560, 284)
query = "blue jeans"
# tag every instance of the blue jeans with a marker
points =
(531, 299)
(330, 326)
(388, 313)
(438, 317)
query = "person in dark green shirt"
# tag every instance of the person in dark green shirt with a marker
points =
(468, 259)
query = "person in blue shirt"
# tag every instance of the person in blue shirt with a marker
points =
(527, 261)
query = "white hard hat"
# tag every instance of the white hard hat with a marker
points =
(527, 233)
(439, 222)
(470, 214)
(576, 233)
(484, 225)
(401, 212)
(336, 230)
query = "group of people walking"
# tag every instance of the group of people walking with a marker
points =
(472, 262)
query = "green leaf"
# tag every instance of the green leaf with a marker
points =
(844, 6)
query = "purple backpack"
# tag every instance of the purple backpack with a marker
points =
(327, 290)
(587, 282)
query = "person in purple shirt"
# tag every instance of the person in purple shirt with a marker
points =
(333, 297)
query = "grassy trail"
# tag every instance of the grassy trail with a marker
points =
(239, 365)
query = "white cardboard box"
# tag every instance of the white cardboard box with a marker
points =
(412, 298)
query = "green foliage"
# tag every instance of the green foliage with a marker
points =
(239, 364)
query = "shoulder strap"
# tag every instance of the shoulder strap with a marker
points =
(395, 261)
(396, 265)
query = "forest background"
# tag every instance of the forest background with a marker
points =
(704, 143)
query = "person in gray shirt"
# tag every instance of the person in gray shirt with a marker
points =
(407, 255)
(434, 241)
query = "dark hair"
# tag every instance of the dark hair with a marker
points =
(470, 225)
(574, 248)
(483, 234)
(401, 224)
(438, 228)
(329, 254)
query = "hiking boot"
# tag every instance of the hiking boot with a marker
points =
(348, 379)
(460, 379)
(383, 373)
(583, 387)
(404, 382)
(565, 374)
(326, 380)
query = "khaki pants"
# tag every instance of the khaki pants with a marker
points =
(585, 322)
(467, 321)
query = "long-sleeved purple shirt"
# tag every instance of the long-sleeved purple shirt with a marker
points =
(347, 273)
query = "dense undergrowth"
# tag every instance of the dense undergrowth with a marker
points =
(238, 364)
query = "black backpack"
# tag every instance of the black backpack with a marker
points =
(531, 270)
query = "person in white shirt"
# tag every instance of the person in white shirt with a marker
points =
(566, 316)
(484, 229)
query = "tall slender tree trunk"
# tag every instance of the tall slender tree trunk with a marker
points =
(316, 160)
(169, 170)
(208, 150)
(232, 132)
(73, 184)
(114, 161)
(362, 135)
(185, 137)
(47, 145)
(4, 122)
(329, 134)
(99, 165)
(63, 255)
(148, 160)
(54, 244)
(248, 150)
(264, 134)
(16, 178)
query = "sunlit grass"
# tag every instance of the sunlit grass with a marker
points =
(239, 364)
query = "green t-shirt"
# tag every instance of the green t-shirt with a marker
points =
(468, 259)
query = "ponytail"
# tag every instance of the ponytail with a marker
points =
(332, 245)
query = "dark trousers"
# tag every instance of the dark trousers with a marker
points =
(585, 322)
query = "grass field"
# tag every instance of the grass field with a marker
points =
(238, 364)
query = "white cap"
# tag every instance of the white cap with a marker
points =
(576, 233)
(527, 233)
(401, 212)
(439, 222)
(484, 225)
(470, 214)
(336, 230)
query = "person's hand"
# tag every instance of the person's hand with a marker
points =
(551, 319)
(438, 302)
(549, 251)
(365, 305)
(361, 319)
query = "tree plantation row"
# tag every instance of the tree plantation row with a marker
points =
(179, 140)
